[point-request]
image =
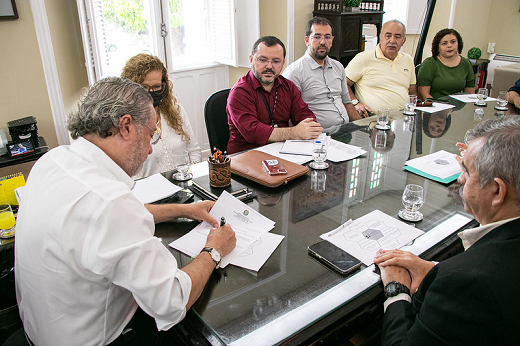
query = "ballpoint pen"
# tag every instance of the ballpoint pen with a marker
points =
(340, 228)
(245, 195)
(222, 221)
(238, 192)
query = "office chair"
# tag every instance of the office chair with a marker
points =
(216, 119)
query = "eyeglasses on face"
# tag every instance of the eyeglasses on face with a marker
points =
(158, 88)
(155, 136)
(264, 61)
(320, 37)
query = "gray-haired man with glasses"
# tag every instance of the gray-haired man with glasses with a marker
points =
(89, 270)
(321, 79)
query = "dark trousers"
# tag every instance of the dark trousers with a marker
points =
(142, 330)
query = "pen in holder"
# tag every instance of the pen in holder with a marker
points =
(219, 172)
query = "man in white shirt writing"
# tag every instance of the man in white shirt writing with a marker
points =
(87, 262)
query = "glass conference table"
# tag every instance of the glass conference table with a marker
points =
(295, 299)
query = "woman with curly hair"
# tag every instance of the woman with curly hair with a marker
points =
(445, 72)
(176, 131)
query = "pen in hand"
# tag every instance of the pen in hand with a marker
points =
(222, 221)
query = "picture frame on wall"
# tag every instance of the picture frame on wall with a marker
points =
(8, 10)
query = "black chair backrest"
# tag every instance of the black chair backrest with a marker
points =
(417, 70)
(216, 119)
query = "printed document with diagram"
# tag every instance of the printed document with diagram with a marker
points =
(363, 237)
(248, 224)
(441, 166)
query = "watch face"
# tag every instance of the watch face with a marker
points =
(215, 255)
(391, 288)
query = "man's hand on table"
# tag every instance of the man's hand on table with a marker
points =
(306, 129)
(415, 267)
(363, 110)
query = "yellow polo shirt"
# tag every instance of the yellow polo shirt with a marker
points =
(379, 81)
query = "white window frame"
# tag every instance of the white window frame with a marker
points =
(241, 24)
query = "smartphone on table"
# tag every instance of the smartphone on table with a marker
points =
(334, 257)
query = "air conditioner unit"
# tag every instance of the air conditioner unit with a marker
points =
(497, 60)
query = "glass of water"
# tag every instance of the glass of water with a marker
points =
(482, 96)
(409, 107)
(413, 200)
(181, 160)
(383, 115)
(502, 101)
(319, 153)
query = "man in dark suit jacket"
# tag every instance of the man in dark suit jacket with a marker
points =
(471, 298)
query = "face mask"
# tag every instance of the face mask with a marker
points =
(157, 97)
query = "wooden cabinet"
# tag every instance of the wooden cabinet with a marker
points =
(348, 25)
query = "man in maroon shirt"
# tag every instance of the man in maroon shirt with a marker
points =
(265, 107)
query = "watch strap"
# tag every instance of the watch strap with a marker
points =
(211, 251)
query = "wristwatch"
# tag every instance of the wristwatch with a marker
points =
(355, 102)
(215, 255)
(393, 288)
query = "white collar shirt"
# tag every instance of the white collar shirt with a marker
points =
(471, 235)
(86, 255)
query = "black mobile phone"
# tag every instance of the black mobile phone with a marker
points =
(334, 257)
(179, 197)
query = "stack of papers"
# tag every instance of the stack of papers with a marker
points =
(154, 188)
(435, 107)
(470, 98)
(376, 230)
(300, 151)
(440, 166)
(254, 242)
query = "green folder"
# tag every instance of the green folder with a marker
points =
(432, 177)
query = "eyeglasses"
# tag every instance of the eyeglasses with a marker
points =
(155, 136)
(158, 88)
(264, 61)
(319, 37)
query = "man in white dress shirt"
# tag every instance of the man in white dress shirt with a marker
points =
(89, 270)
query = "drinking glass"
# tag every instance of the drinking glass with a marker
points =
(181, 161)
(382, 118)
(408, 123)
(481, 96)
(502, 101)
(409, 107)
(412, 201)
(381, 139)
(7, 221)
(319, 153)
(318, 181)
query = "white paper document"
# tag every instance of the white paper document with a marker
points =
(470, 98)
(363, 237)
(336, 152)
(441, 164)
(254, 257)
(248, 224)
(154, 188)
(274, 149)
(339, 151)
(298, 147)
(435, 107)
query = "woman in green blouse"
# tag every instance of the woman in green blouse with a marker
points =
(445, 72)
